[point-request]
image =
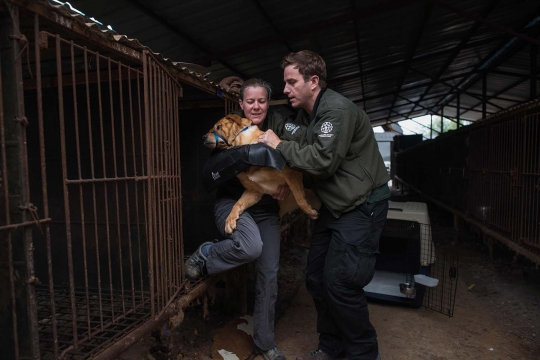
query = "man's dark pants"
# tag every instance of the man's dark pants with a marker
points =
(341, 262)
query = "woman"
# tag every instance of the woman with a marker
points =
(257, 237)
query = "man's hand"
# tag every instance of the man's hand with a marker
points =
(269, 138)
(282, 192)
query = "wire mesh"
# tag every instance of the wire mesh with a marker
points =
(98, 329)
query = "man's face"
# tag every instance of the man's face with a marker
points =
(297, 90)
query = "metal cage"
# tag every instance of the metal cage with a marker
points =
(90, 190)
(487, 173)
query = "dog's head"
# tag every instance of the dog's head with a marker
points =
(223, 133)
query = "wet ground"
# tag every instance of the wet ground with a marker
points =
(497, 314)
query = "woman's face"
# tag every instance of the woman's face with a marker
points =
(255, 104)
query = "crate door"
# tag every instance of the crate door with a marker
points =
(439, 260)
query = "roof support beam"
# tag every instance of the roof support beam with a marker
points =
(482, 20)
(427, 127)
(385, 120)
(438, 114)
(484, 95)
(418, 86)
(151, 14)
(533, 71)
(458, 114)
(509, 87)
(457, 108)
(269, 20)
(377, 9)
(359, 54)
(472, 30)
(507, 73)
(400, 63)
(505, 99)
(411, 49)
(415, 103)
(496, 57)
(455, 88)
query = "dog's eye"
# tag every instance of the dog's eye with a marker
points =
(218, 127)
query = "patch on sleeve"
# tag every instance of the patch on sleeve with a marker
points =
(292, 128)
(326, 129)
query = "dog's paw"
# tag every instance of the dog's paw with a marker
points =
(230, 225)
(313, 214)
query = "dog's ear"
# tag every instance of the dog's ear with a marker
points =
(236, 118)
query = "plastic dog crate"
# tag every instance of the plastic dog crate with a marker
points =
(410, 268)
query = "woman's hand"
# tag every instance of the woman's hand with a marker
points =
(269, 138)
(282, 192)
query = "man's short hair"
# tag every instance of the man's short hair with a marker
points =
(308, 64)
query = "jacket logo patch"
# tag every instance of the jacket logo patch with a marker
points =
(291, 127)
(215, 175)
(326, 127)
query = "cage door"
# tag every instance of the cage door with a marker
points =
(161, 93)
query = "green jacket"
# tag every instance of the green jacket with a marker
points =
(281, 124)
(339, 152)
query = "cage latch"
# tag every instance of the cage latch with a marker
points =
(33, 211)
(21, 38)
(33, 280)
(23, 121)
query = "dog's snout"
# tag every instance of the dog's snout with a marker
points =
(205, 136)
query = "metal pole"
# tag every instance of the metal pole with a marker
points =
(431, 127)
(534, 70)
(458, 109)
(442, 120)
(484, 94)
(41, 126)
(20, 243)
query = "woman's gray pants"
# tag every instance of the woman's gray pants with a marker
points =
(257, 239)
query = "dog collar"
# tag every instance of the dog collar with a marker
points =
(217, 136)
(244, 129)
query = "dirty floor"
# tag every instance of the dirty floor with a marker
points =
(498, 317)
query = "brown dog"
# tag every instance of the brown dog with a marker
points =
(234, 130)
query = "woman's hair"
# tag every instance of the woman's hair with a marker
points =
(256, 83)
(308, 64)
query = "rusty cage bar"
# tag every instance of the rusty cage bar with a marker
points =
(91, 194)
(90, 190)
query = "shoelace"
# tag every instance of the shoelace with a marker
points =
(316, 352)
(274, 353)
(197, 261)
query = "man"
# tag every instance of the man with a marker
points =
(340, 153)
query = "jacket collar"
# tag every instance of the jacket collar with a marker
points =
(317, 101)
(312, 117)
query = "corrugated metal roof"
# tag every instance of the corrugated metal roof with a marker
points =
(408, 50)
(93, 23)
